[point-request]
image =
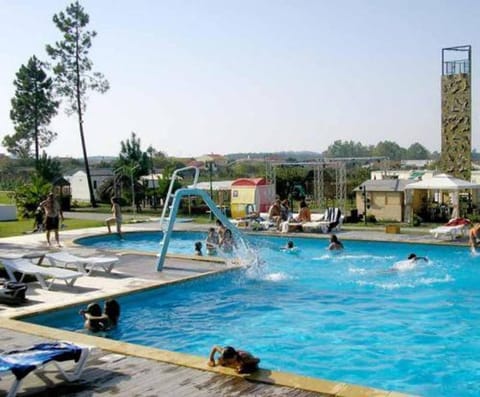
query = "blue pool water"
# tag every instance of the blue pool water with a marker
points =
(341, 316)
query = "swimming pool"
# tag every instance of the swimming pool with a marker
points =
(340, 316)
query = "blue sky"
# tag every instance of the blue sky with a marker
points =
(200, 76)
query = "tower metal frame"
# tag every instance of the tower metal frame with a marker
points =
(338, 164)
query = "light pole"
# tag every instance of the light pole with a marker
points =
(130, 168)
(150, 150)
(366, 202)
(134, 207)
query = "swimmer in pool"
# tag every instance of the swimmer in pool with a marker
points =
(408, 264)
(242, 361)
(290, 248)
(198, 248)
(335, 243)
(96, 321)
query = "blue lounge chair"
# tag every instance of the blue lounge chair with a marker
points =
(21, 362)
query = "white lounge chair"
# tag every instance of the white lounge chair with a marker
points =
(24, 267)
(22, 362)
(451, 231)
(332, 222)
(85, 265)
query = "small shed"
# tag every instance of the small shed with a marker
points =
(384, 198)
(63, 191)
(252, 193)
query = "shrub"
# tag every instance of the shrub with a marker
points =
(30, 195)
(416, 220)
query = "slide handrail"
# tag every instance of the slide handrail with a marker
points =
(170, 188)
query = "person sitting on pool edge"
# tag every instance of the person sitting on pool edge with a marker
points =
(335, 243)
(474, 234)
(242, 361)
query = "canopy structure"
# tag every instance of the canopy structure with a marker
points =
(443, 182)
(440, 183)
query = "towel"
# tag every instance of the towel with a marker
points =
(22, 362)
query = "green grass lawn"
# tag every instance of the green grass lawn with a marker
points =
(19, 227)
(4, 199)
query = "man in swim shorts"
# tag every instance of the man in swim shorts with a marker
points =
(53, 214)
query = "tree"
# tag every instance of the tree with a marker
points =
(132, 163)
(132, 155)
(347, 149)
(417, 152)
(389, 149)
(73, 69)
(48, 169)
(33, 107)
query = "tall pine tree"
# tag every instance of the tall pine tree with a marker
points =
(33, 107)
(73, 69)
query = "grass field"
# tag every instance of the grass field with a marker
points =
(19, 227)
(4, 199)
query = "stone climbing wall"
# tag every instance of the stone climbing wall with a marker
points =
(456, 125)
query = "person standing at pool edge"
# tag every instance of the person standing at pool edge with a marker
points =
(53, 214)
(116, 216)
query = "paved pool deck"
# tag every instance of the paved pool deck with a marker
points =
(123, 369)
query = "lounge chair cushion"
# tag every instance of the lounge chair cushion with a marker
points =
(22, 362)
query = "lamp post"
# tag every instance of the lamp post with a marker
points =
(150, 150)
(364, 194)
(134, 207)
(129, 168)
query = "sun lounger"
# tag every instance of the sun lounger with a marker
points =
(24, 267)
(85, 265)
(22, 362)
(451, 231)
(332, 222)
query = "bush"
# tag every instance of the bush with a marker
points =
(371, 219)
(29, 196)
(416, 220)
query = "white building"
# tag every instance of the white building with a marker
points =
(79, 183)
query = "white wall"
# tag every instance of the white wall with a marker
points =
(8, 212)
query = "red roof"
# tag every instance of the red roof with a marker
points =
(249, 182)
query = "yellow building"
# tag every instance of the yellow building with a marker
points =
(383, 198)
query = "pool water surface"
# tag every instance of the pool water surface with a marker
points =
(345, 316)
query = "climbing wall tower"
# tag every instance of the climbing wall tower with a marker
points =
(456, 111)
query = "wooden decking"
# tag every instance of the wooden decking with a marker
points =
(118, 375)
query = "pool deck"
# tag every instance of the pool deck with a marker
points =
(122, 369)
